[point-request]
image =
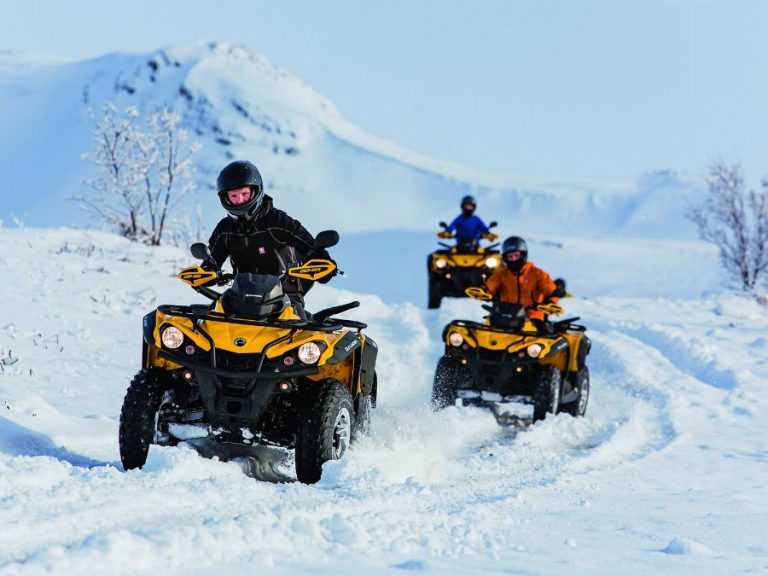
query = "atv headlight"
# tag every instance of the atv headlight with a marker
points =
(441, 263)
(309, 353)
(455, 339)
(492, 262)
(534, 350)
(172, 337)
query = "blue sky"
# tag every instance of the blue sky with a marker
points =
(555, 89)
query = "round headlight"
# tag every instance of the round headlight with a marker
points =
(309, 353)
(441, 263)
(172, 337)
(455, 339)
(492, 262)
(534, 350)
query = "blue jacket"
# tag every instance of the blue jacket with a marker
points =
(468, 228)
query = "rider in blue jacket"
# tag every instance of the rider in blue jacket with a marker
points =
(467, 226)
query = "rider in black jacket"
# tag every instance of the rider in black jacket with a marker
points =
(256, 236)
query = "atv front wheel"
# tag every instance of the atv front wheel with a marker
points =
(546, 393)
(324, 430)
(362, 425)
(434, 295)
(579, 407)
(146, 394)
(448, 375)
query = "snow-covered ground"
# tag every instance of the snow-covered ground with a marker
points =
(665, 475)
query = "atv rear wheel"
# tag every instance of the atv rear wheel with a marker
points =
(148, 391)
(579, 407)
(448, 375)
(324, 430)
(546, 393)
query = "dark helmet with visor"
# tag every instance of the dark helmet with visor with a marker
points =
(240, 174)
(514, 244)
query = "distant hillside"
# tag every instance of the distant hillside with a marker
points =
(324, 170)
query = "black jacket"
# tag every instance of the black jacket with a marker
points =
(259, 244)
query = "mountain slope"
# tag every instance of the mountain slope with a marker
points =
(325, 170)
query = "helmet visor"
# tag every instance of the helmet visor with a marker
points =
(513, 256)
(238, 196)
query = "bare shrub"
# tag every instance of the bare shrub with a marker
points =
(735, 219)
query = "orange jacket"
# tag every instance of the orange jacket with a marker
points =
(529, 287)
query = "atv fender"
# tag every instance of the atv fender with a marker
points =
(343, 347)
(148, 324)
(368, 366)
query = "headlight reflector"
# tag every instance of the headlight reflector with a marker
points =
(309, 353)
(441, 263)
(534, 350)
(492, 262)
(172, 337)
(455, 339)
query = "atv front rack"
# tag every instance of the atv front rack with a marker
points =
(196, 313)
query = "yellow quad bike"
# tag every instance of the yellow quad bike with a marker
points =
(507, 358)
(247, 370)
(453, 269)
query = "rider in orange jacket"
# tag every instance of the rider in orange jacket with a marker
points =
(520, 282)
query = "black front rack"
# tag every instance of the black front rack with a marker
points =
(204, 313)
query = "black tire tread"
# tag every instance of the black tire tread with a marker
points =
(542, 393)
(137, 417)
(314, 435)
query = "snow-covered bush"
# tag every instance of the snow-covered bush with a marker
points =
(735, 219)
(143, 169)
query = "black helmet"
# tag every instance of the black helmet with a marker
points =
(468, 200)
(514, 244)
(239, 174)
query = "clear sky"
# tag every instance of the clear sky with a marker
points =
(534, 88)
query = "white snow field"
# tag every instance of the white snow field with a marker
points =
(666, 474)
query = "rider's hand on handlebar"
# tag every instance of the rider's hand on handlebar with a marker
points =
(224, 278)
(445, 234)
(490, 236)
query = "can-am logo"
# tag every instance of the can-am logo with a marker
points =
(240, 342)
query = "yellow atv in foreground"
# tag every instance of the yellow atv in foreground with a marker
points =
(453, 269)
(507, 359)
(247, 370)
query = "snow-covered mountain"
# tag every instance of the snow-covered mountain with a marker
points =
(329, 173)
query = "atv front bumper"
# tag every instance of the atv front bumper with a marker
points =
(237, 398)
(454, 281)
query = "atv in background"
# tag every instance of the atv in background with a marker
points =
(453, 269)
(507, 359)
(248, 370)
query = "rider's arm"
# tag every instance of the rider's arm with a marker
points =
(481, 225)
(218, 243)
(546, 287)
(452, 225)
(493, 284)
(299, 238)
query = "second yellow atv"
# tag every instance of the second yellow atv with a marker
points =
(247, 369)
(453, 269)
(507, 358)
